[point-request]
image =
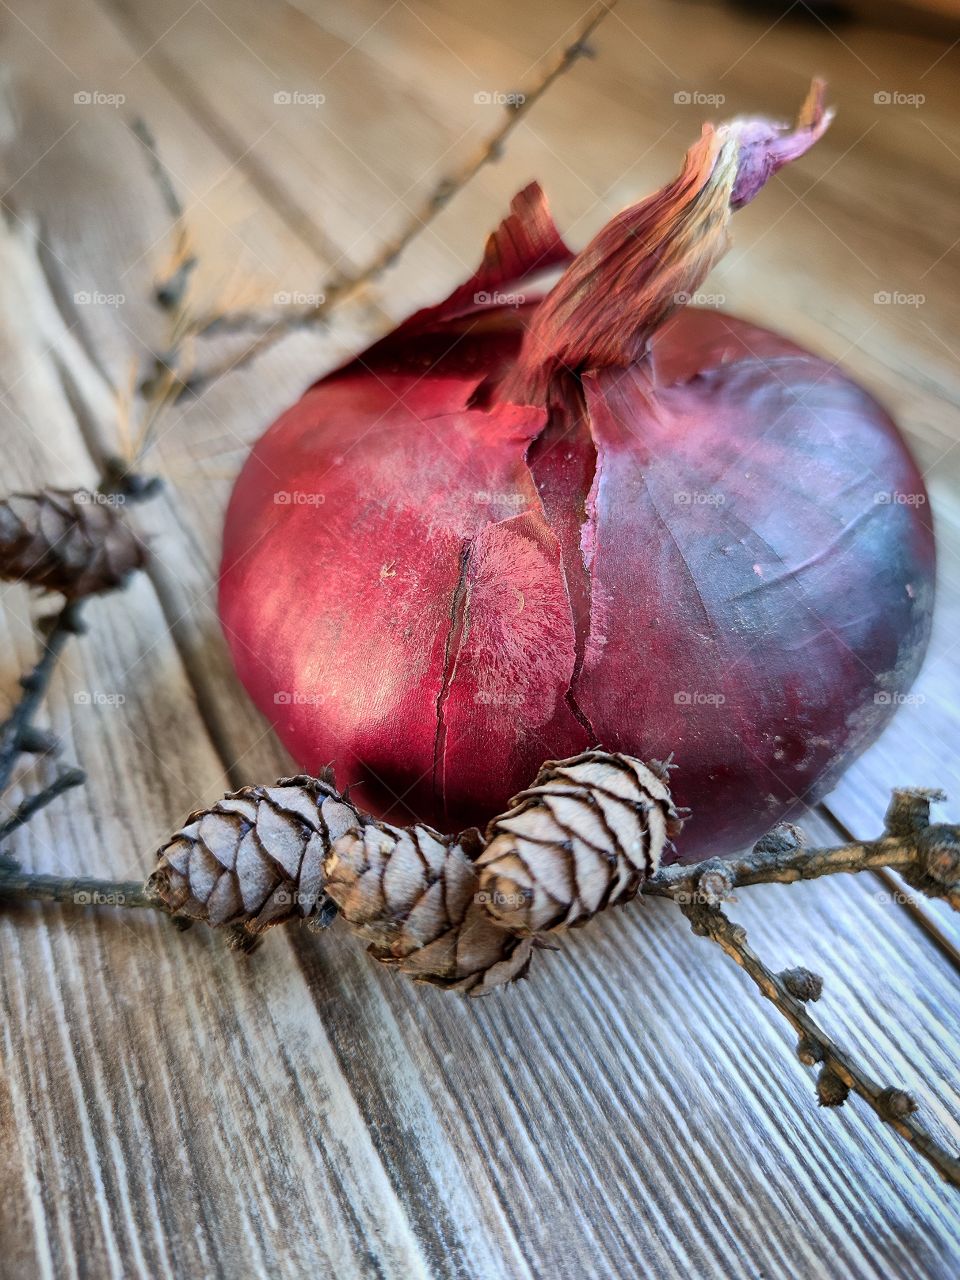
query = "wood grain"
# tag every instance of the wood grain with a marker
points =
(169, 1108)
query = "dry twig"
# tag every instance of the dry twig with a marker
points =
(838, 1072)
(346, 284)
(170, 292)
(34, 686)
(928, 856)
(121, 479)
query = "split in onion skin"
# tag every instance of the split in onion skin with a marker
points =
(511, 531)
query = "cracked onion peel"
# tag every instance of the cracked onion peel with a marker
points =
(518, 527)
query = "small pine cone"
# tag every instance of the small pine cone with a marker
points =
(413, 895)
(68, 541)
(255, 857)
(585, 836)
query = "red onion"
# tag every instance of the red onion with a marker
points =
(516, 528)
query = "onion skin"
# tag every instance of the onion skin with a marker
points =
(684, 554)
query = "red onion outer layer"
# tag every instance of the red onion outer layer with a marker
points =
(481, 545)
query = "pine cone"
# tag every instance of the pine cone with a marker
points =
(442, 909)
(413, 895)
(585, 836)
(255, 858)
(68, 541)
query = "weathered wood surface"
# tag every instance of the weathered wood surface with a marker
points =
(168, 1108)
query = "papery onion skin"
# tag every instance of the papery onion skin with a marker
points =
(721, 550)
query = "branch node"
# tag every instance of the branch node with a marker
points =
(897, 1104)
(831, 1090)
(909, 810)
(938, 855)
(37, 742)
(785, 837)
(169, 294)
(714, 884)
(67, 620)
(118, 478)
(809, 1052)
(802, 984)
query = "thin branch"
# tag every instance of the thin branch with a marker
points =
(928, 856)
(80, 891)
(169, 293)
(64, 781)
(35, 683)
(38, 742)
(165, 383)
(18, 734)
(346, 284)
(158, 169)
(775, 866)
(839, 1072)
